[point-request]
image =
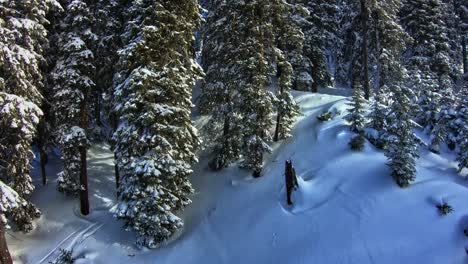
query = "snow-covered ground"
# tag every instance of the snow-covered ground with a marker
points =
(347, 208)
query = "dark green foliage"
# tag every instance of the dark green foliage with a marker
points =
(357, 142)
(156, 142)
(402, 144)
(444, 208)
(65, 257)
(356, 115)
(326, 116)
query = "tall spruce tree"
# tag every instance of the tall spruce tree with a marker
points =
(23, 40)
(357, 114)
(10, 201)
(220, 96)
(240, 47)
(155, 140)
(290, 42)
(430, 50)
(73, 83)
(321, 28)
(402, 145)
(460, 127)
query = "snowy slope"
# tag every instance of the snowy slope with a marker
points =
(347, 209)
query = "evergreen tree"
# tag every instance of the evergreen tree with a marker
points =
(240, 46)
(430, 49)
(321, 40)
(376, 127)
(220, 93)
(357, 114)
(73, 81)
(10, 201)
(18, 120)
(443, 118)
(155, 140)
(23, 40)
(402, 144)
(388, 41)
(460, 126)
(290, 41)
(107, 25)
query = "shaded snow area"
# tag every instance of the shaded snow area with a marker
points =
(347, 208)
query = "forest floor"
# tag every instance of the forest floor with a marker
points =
(347, 208)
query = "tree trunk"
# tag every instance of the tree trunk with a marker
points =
(465, 58)
(314, 78)
(116, 171)
(278, 115)
(381, 76)
(84, 199)
(5, 257)
(291, 180)
(278, 126)
(365, 15)
(114, 124)
(44, 159)
(97, 109)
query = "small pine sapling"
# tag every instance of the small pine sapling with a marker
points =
(65, 257)
(325, 116)
(444, 208)
(357, 142)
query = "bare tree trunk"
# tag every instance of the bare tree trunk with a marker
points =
(5, 257)
(84, 199)
(365, 15)
(291, 180)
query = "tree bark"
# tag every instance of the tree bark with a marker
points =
(97, 108)
(114, 121)
(365, 55)
(44, 159)
(465, 58)
(314, 78)
(84, 199)
(278, 115)
(291, 180)
(277, 128)
(5, 257)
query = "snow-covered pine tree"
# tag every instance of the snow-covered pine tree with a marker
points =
(402, 144)
(349, 66)
(443, 118)
(295, 20)
(376, 127)
(321, 40)
(430, 49)
(73, 82)
(10, 201)
(239, 50)
(18, 120)
(23, 39)
(388, 41)
(460, 126)
(155, 140)
(220, 93)
(257, 43)
(290, 41)
(357, 114)
(107, 25)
